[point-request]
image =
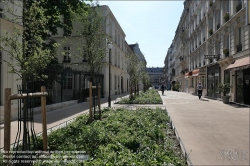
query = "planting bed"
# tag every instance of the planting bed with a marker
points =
(123, 137)
(151, 96)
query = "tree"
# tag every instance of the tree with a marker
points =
(91, 41)
(25, 45)
(132, 63)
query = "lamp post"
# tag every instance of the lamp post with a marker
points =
(110, 47)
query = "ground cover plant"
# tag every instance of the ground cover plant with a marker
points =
(151, 96)
(122, 137)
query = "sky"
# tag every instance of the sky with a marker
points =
(151, 24)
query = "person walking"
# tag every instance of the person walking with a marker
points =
(199, 88)
(162, 89)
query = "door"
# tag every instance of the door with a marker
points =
(246, 86)
(239, 86)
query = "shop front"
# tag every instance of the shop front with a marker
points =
(188, 82)
(240, 72)
(213, 80)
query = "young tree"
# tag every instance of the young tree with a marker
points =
(132, 63)
(91, 41)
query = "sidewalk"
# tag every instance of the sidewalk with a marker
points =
(56, 117)
(213, 133)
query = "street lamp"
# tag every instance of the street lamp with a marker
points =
(110, 47)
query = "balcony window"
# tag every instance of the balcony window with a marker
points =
(239, 47)
(218, 26)
(239, 7)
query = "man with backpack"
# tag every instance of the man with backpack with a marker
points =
(199, 88)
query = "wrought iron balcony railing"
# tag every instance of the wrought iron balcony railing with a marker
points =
(218, 26)
(239, 7)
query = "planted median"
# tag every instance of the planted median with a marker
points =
(151, 96)
(122, 137)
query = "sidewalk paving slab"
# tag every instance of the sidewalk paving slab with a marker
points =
(213, 133)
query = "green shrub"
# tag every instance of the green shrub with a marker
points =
(151, 96)
(124, 137)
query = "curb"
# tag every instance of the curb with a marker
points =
(183, 149)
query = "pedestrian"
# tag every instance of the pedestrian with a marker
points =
(199, 88)
(162, 89)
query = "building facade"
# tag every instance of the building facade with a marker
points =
(79, 81)
(213, 35)
(156, 76)
(8, 80)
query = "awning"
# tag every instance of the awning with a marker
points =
(188, 74)
(242, 63)
(195, 72)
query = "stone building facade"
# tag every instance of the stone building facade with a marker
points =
(212, 35)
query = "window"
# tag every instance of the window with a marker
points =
(226, 42)
(239, 45)
(68, 81)
(66, 57)
(239, 35)
(66, 27)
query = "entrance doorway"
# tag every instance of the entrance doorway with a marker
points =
(246, 86)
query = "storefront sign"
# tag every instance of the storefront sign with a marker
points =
(202, 71)
(211, 56)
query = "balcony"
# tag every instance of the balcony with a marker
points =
(238, 7)
(239, 47)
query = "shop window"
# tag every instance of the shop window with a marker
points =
(239, 86)
(226, 76)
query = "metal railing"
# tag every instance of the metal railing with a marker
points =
(239, 7)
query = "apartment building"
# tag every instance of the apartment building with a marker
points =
(214, 47)
(156, 76)
(78, 82)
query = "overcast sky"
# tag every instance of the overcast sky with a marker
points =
(151, 24)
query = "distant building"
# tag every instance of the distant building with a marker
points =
(156, 75)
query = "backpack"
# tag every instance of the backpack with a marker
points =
(199, 87)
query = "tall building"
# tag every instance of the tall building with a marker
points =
(78, 81)
(210, 36)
